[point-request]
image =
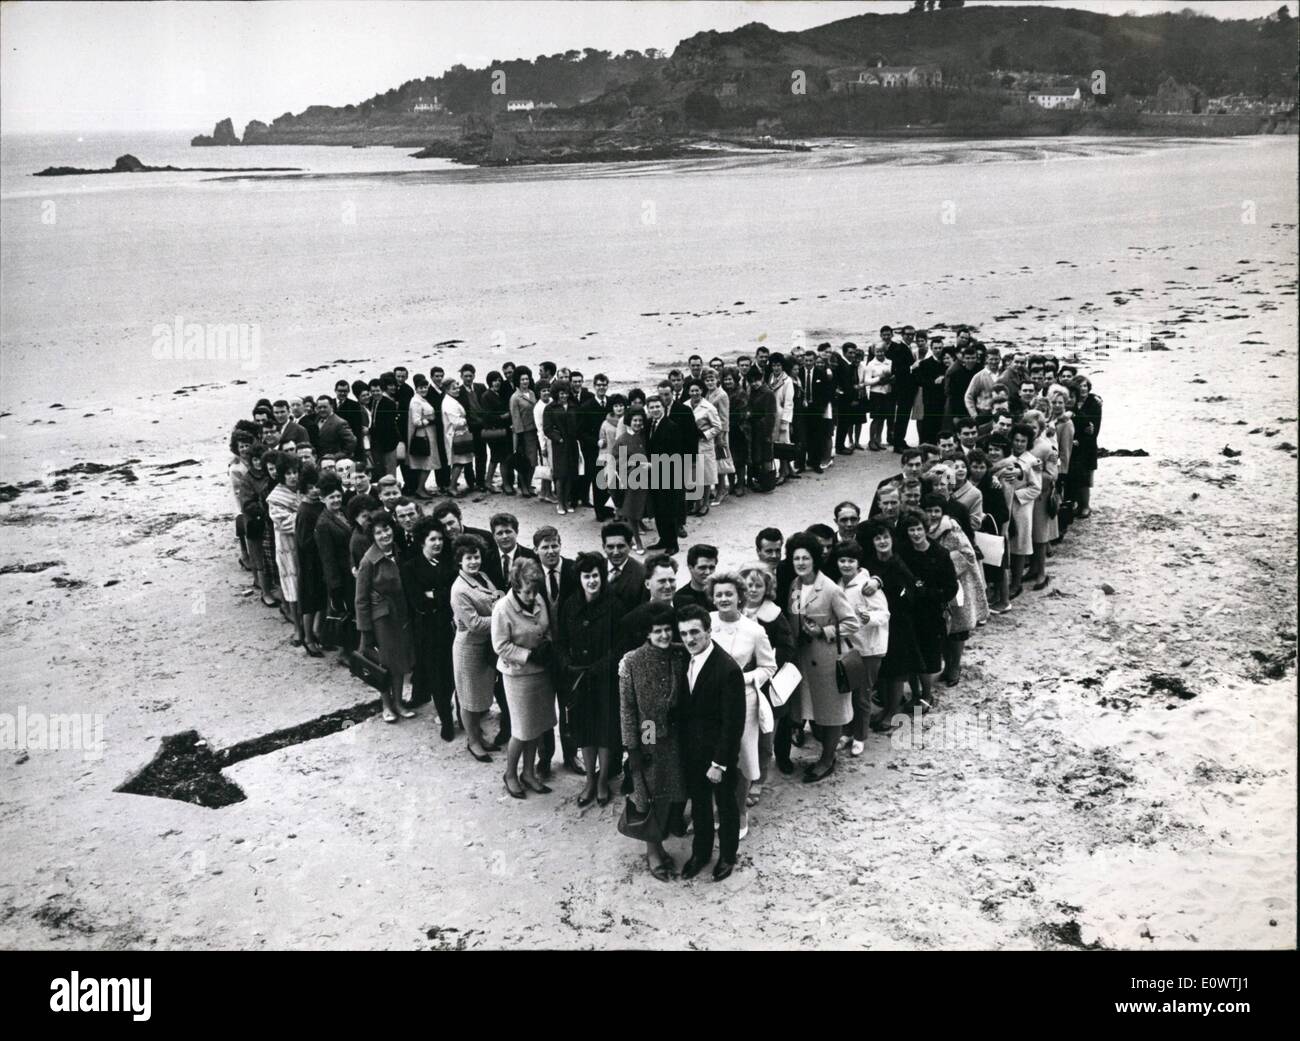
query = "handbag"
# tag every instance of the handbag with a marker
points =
(401, 452)
(637, 825)
(786, 451)
(338, 628)
(369, 671)
(420, 445)
(542, 472)
(850, 669)
(462, 445)
(494, 433)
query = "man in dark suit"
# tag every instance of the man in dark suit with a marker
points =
(900, 360)
(505, 550)
(663, 446)
(384, 433)
(626, 576)
(470, 394)
(590, 416)
(713, 714)
(675, 399)
(559, 582)
(447, 513)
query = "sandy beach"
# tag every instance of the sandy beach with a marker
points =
(1103, 806)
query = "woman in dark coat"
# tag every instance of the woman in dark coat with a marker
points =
(333, 534)
(426, 577)
(358, 511)
(763, 420)
(652, 682)
(934, 583)
(902, 658)
(383, 619)
(738, 434)
(1087, 425)
(586, 641)
(560, 426)
(997, 519)
(494, 407)
(311, 576)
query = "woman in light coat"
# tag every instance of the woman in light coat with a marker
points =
(1046, 530)
(822, 621)
(421, 420)
(867, 599)
(472, 661)
(455, 427)
(717, 397)
(1021, 483)
(521, 638)
(744, 639)
(970, 607)
(524, 427)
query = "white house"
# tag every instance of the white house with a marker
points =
(520, 106)
(428, 106)
(1057, 100)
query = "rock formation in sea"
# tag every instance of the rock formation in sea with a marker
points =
(222, 134)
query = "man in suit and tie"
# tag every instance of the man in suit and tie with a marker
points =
(470, 395)
(559, 582)
(713, 715)
(626, 576)
(505, 550)
(663, 447)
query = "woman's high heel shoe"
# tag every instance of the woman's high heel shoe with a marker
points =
(521, 794)
(534, 785)
(481, 757)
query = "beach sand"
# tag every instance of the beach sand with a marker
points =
(1097, 808)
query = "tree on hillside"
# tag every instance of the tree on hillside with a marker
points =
(998, 57)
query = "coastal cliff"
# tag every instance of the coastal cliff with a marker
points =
(980, 71)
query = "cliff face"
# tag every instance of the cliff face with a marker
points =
(222, 134)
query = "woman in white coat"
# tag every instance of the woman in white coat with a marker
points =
(747, 643)
(867, 600)
(455, 430)
(1022, 483)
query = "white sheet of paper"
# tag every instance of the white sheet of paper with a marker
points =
(784, 683)
(992, 546)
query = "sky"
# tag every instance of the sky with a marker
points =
(184, 65)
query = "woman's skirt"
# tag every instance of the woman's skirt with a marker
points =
(706, 466)
(531, 700)
(594, 717)
(474, 667)
(1045, 526)
(756, 707)
(738, 446)
(312, 594)
(286, 560)
(881, 406)
(821, 699)
(396, 652)
(930, 630)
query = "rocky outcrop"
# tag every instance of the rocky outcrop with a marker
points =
(130, 164)
(222, 134)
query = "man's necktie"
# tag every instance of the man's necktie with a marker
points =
(555, 588)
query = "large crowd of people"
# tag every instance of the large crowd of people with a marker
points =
(672, 693)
